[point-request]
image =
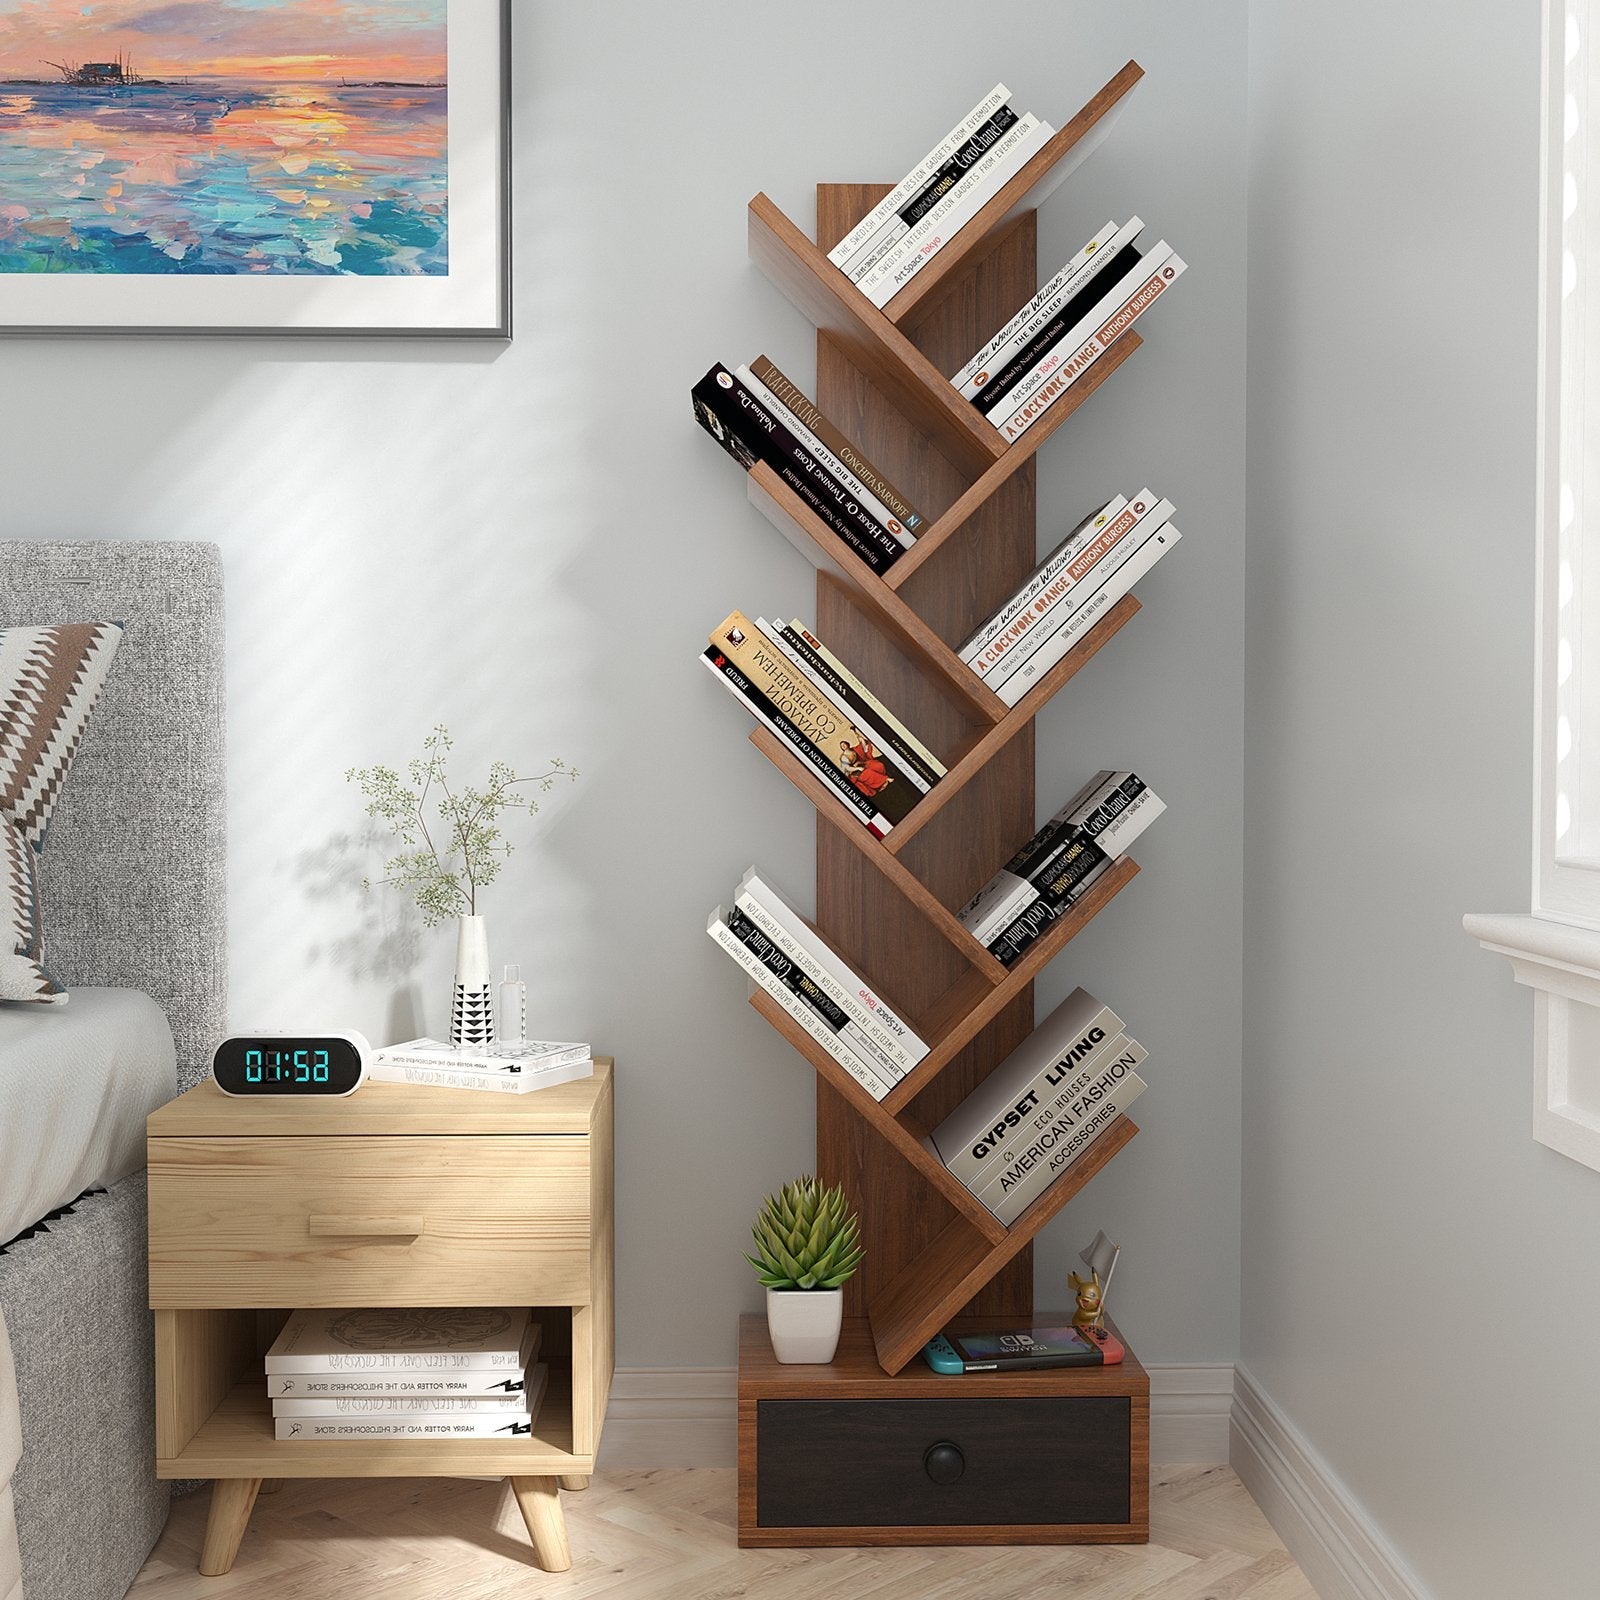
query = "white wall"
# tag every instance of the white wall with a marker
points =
(530, 543)
(1419, 1287)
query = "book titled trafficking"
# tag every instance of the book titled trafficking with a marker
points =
(406, 1424)
(434, 1339)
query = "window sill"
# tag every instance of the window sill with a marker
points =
(1561, 964)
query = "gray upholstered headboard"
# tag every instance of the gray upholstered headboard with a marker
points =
(134, 863)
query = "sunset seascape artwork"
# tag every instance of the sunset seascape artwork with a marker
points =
(243, 137)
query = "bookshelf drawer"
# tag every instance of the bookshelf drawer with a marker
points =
(369, 1221)
(979, 1463)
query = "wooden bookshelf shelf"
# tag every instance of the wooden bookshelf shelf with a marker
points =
(933, 1249)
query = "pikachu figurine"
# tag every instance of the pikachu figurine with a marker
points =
(1088, 1292)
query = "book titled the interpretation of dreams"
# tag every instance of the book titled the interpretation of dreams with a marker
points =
(390, 1339)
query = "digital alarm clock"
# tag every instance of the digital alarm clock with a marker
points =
(290, 1063)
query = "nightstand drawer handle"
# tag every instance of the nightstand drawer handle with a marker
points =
(371, 1227)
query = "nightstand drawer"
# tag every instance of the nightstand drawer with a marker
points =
(998, 1462)
(283, 1221)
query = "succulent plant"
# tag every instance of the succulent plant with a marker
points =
(806, 1238)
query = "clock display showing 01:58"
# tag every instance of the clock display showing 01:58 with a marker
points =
(290, 1064)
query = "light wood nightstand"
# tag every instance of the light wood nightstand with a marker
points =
(396, 1196)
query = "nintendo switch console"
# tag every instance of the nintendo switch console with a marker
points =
(1023, 1349)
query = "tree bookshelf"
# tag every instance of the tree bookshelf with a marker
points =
(933, 1250)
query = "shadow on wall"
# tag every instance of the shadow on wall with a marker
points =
(383, 944)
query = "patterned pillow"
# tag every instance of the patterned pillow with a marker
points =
(22, 977)
(50, 679)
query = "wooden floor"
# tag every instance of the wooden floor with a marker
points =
(669, 1536)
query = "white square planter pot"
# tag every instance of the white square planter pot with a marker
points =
(804, 1324)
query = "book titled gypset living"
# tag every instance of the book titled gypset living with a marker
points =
(537, 1064)
(1059, 1091)
(847, 739)
(791, 962)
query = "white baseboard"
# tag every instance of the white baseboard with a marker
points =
(1338, 1545)
(685, 1417)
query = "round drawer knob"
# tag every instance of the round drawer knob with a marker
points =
(944, 1462)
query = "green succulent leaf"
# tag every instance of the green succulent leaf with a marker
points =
(806, 1237)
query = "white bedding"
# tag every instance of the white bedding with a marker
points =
(76, 1084)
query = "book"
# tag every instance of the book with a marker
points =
(983, 362)
(869, 1079)
(881, 215)
(808, 663)
(863, 497)
(982, 181)
(392, 1405)
(1101, 556)
(1111, 810)
(1073, 356)
(797, 939)
(438, 1388)
(441, 1424)
(1003, 1102)
(771, 718)
(864, 766)
(1101, 277)
(532, 1056)
(1094, 549)
(420, 1339)
(796, 400)
(805, 988)
(849, 691)
(1034, 1168)
(955, 167)
(749, 432)
(481, 1080)
(1106, 592)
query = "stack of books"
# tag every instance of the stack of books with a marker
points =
(432, 1373)
(1058, 1092)
(1069, 591)
(783, 953)
(792, 684)
(534, 1064)
(757, 414)
(1015, 378)
(1060, 864)
(939, 196)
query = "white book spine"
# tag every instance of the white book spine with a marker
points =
(863, 496)
(952, 213)
(1065, 1145)
(514, 1405)
(918, 178)
(442, 1426)
(1088, 613)
(1078, 346)
(1070, 280)
(484, 1082)
(468, 1061)
(1058, 1085)
(442, 1390)
(864, 1074)
(906, 737)
(1014, 420)
(835, 979)
(1098, 559)
(805, 669)
(1042, 575)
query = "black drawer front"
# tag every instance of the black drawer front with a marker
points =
(864, 1463)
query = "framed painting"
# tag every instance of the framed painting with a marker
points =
(255, 166)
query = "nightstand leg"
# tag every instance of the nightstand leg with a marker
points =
(547, 1528)
(572, 1483)
(271, 1485)
(231, 1502)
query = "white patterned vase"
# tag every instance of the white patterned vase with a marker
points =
(472, 1002)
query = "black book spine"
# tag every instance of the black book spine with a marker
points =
(785, 971)
(769, 714)
(957, 167)
(1067, 318)
(1081, 863)
(744, 418)
(852, 701)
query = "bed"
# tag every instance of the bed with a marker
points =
(132, 880)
